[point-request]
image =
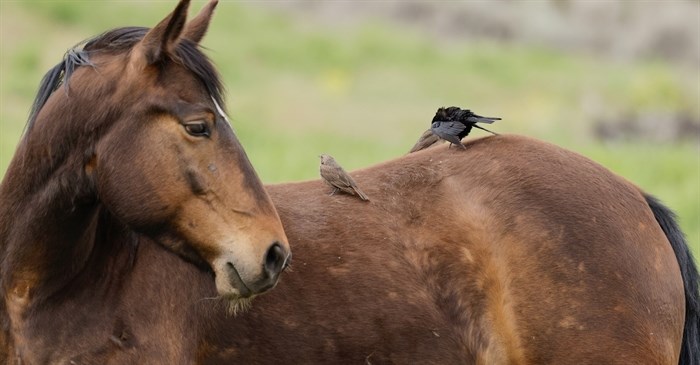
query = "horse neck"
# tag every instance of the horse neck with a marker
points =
(49, 211)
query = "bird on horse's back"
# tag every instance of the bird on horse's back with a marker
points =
(131, 221)
(482, 256)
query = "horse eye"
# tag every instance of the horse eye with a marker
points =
(197, 129)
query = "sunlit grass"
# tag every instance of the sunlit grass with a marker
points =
(671, 173)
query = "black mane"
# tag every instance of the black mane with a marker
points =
(116, 41)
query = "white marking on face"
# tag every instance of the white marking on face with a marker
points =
(221, 112)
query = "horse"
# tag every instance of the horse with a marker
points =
(511, 251)
(127, 137)
(514, 251)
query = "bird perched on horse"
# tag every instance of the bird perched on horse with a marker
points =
(334, 175)
(426, 140)
(453, 123)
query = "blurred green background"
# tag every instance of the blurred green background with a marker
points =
(617, 81)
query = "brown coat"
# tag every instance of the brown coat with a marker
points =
(476, 257)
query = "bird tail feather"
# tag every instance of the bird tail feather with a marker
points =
(484, 129)
(487, 120)
(362, 195)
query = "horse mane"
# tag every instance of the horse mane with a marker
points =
(118, 40)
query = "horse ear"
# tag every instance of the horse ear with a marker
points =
(198, 26)
(163, 38)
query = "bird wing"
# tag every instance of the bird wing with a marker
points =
(336, 176)
(448, 131)
(351, 184)
(450, 128)
(345, 179)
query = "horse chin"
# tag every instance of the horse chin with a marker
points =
(236, 304)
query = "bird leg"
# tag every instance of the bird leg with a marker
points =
(460, 145)
(335, 191)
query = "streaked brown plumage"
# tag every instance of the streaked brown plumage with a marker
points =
(334, 175)
(427, 140)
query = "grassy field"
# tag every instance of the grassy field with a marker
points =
(363, 93)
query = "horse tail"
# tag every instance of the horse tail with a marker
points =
(690, 348)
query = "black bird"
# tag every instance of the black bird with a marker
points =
(452, 124)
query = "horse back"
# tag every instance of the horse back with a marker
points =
(516, 250)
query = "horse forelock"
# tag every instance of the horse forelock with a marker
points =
(84, 120)
(115, 41)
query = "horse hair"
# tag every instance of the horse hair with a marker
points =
(690, 350)
(119, 40)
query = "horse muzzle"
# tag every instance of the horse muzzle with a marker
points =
(237, 280)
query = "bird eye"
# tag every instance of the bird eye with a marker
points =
(197, 129)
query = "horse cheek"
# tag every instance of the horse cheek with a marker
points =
(127, 184)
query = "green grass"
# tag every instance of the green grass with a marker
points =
(671, 173)
(364, 93)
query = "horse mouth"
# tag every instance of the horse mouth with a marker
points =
(238, 297)
(238, 277)
(236, 282)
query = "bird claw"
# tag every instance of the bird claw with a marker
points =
(461, 145)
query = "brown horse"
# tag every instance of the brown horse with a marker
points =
(512, 251)
(134, 145)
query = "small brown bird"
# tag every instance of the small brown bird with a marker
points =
(427, 140)
(338, 179)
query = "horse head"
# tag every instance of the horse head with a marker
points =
(140, 123)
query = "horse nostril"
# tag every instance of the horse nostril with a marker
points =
(274, 260)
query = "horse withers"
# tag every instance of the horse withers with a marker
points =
(127, 139)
